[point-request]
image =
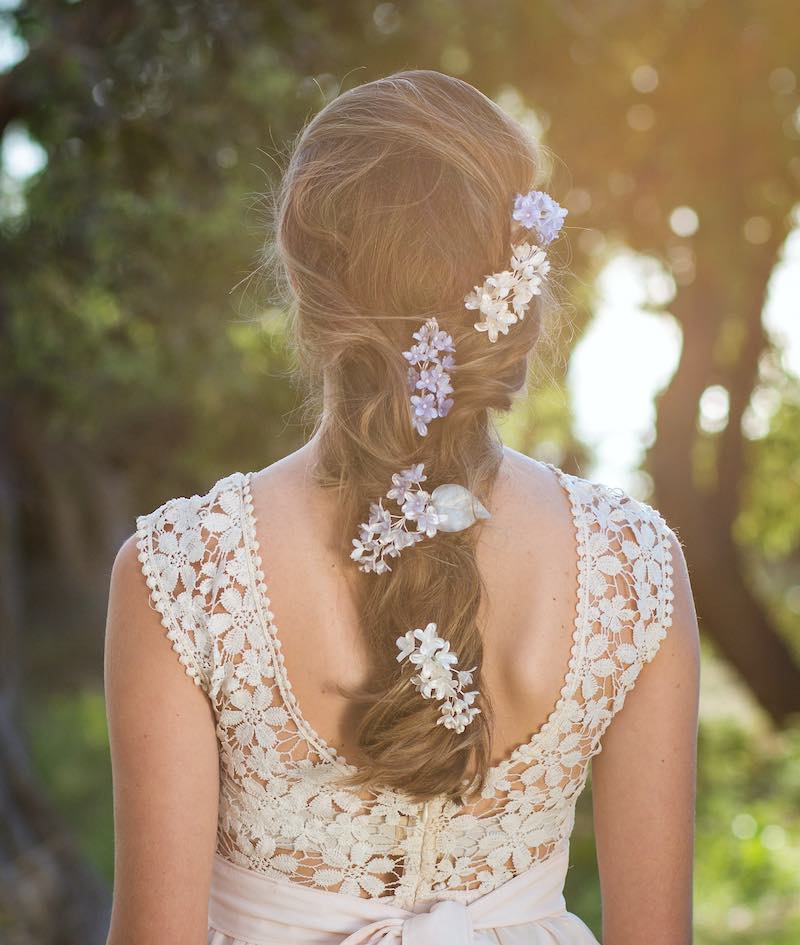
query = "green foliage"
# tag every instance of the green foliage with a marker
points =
(128, 334)
(773, 486)
(768, 525)
(748, 836)
(747, 839)
(69, 744)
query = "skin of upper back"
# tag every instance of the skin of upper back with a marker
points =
(164, 749)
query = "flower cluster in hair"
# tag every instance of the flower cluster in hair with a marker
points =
(437, 679)
(449, 508)
(429, 361)
(537, 211)
(386, 534)
(504, 296)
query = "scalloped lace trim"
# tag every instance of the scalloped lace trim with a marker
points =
(162, 601)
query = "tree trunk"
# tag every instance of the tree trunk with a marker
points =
(703, 513)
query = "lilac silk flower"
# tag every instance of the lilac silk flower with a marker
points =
(449, 508)
(537, 211)
(429, 361)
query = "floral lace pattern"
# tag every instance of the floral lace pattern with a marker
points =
(282, 811)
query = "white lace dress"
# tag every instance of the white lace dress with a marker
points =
(300, 859)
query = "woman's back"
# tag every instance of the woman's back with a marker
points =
(528, 557)
(260, 612)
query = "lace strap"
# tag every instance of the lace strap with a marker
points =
(629, 600)
(180, 549)
(648, 560)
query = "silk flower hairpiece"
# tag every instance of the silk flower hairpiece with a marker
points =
(502, 301)
(436, 680)
(504, 297)
(449, 508)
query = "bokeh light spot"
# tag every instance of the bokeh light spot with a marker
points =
(644, 78)
(744, 826)
(714, 409)
(641, 117)
(683, 221)
(386, 18)
(455, 60)
(782, 80)
(757, 230)
(773, 837)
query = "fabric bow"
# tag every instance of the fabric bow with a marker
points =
(447, 923)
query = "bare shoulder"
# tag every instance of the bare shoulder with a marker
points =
(529, 472)
(134, 628)
(127, 580)
(288, 478)
(530, 489)
(533, 479)
(527, 489)
(683, 639)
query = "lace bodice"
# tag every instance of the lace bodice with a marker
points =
(281, 811)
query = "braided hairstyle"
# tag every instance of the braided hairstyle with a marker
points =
(395, 203)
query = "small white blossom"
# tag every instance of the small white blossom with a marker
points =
(436, 679)
(406, 644)
(504, 296)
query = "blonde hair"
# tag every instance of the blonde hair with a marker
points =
(396, 201)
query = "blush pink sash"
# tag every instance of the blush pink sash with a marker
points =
(248, 908)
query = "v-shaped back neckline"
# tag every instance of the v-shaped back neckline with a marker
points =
(263, 605)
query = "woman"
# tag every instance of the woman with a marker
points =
(460, 624)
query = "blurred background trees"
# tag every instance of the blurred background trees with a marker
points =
(141, 355)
